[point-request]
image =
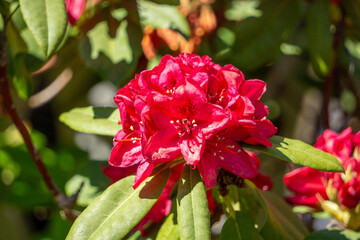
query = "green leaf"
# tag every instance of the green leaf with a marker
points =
(319, 37)
(280, 222)
(95, 120)
(113, 57)
(240, 228)
(88, 192)
(352, 8)
(244, 201)
(262, 36)
(47, 21)
(169, 229)
(300, 153)
(193, 211)
(162, 16)
(118, 209)
(334, 234)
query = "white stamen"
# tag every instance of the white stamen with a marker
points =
(171, 121)
(221, 157)
(214, 154)
(131, 128)
(194, 125)
(193, 121)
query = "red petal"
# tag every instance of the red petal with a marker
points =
(143, 172)
(253, 89)
(208, 168)
(192, 147)
(162, 147)
(305, 181)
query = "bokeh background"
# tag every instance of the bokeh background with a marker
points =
(308, 53)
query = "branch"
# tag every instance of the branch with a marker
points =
(65, 203)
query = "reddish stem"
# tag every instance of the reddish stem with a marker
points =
(64, 202)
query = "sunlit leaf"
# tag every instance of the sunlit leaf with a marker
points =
(193, 211)
(162, 16)
(300, 153)
(169, 229)
(47, 21)
(88, 192)
(113, 57)
(240, 228)
(95, 120)
(118, 209)
(319, 37)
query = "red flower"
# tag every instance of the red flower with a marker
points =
(315, 188)
(188, 107)
(74, 9)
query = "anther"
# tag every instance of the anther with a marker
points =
(131, 128)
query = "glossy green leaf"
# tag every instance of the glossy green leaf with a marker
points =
(244, 201)
(334, 234)
(113, 57)
(298, 152)
(258, 39)
(192, 208)
(352, 8)
(47, 21)
(240, 228)
(319, 37)
(169, 229)
(281, 222)
(162, 16)
(118, 209)
(95, 120)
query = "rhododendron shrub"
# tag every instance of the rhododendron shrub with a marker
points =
(336, 193)
(188, 131)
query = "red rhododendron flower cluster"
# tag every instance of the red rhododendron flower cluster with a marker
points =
(337, 193)
(189, 108)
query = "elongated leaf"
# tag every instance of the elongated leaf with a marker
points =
(162, 16)
(319, 37)
(299, 152)
(241, 228)
(95, 120)
(281, 222)
(262, 36)
(116, 211)
(169, 229)
(334, 234)
(193, 211)
(47, 21)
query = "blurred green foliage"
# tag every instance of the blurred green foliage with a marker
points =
(297, 47)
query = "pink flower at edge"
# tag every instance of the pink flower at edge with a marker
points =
(309, 184)
(74, 8)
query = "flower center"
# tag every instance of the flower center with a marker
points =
(184, 126)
